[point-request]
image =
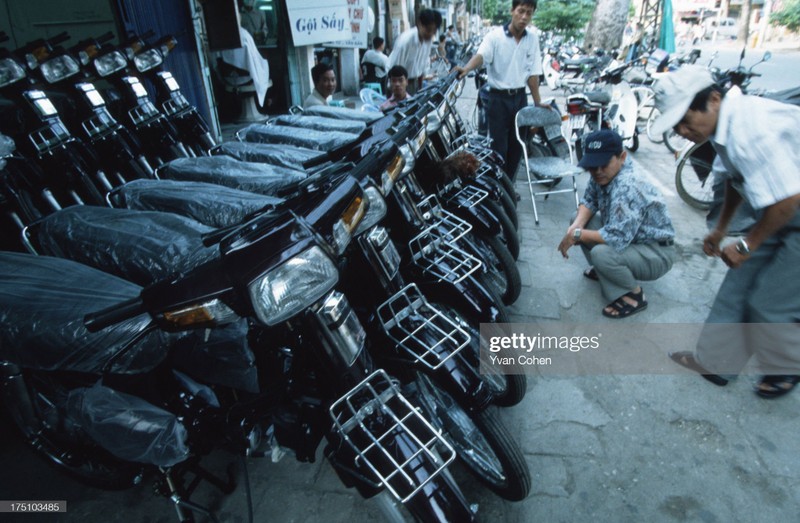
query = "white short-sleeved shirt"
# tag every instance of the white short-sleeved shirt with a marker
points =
(509, 63)
(316, 98)
(758, 147)
(379, 60)
(412, 54)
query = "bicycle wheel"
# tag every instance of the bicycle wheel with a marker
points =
(693, 176)
(674, 141)
(655, 138)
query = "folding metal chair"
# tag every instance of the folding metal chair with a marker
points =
(545, 170)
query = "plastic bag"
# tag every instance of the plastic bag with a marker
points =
(209, 204)
(341, 113)
(321, 123)
(43, 301)
(139, 246)
(274, 154)
(128, 427)
(309, 138)
(259, 178)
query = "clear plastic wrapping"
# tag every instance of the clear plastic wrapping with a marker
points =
(223, 358)
(275, 154)
(209, 204)
(309, 138)
(259, 178)
(43, 301)
(128, 427)
(320, 123)
(139, 246)
(342, 113)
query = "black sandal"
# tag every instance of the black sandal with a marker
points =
(623, 308)
(686, 359)
(778, 385)
(591, 274)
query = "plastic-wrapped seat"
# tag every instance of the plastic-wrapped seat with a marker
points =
(342, 113)
(544, 170)
(308, 138)
(281, 155)
(260, 178)
(209, 204)
(320, 123)
(139, 246)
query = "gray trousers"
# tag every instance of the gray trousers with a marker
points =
(757, 311)
(619, 272)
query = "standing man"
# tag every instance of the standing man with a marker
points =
(513, 61)
(451, 46)
(622, 226)
(324, 85)
(758, 155)
(378, 59)
(413, 48)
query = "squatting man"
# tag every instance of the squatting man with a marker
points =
(622, 226)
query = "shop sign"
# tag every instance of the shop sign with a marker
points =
(360, 14)
(318, 21)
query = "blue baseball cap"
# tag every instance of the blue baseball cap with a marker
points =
(599, 147)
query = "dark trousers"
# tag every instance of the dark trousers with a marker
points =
(501, 110)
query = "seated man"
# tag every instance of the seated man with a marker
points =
(622, 226)
(324, 85)
(378, 60)
(398, 83)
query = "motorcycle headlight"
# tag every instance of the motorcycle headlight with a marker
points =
(147, 60)
(392, 173)
(347, 223)
(110, 63)
(419, 140)
(376, 210)
(58, 68)
(212, 312)
(408, 158)
(10, 72)
(292, 286)
(434, 120)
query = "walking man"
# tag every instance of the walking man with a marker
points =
(412, 49)
(513, 61)
(758, 156)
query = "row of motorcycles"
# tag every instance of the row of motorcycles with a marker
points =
(322, 278)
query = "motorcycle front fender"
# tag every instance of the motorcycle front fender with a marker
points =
(483, 220)
(471, 297)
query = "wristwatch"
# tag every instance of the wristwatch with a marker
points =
(742, 247)
(576, 234)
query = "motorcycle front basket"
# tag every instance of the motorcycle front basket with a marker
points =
(374, 418)
(407, 317)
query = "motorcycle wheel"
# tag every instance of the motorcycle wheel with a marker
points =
(481, 441)
(502, 272)
(693, 178)
(80, 459)
(634, 142)
(510, 236)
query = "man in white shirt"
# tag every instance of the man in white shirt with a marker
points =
(412, 49)
(757, 309)
(324, 79)
(378, 59)
(513, 61)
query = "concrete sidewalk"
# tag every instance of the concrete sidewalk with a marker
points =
(609, 448)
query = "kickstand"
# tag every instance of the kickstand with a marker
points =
(178, 492)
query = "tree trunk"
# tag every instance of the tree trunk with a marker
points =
(744, 21)
(607, 25)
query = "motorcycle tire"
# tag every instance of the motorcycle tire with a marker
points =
(510, 236)
(80, 459)
(501, 269)
(693, 178)
(634, 143)
(481, 441)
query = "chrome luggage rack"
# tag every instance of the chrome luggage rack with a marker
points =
(433, 251)
(473, 195)
(433, 213)
(407, 314)
(371, 417)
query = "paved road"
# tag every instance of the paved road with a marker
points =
(605, 448)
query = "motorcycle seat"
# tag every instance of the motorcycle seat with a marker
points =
(600, 97)
(209, 204)
(342, 113)
(308, 138)
(43, 301)
(320, 123)
(261, 178)
(139, 246)
(281, 155)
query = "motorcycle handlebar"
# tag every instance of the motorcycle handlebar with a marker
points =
(57, 39)
(99, 320)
